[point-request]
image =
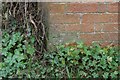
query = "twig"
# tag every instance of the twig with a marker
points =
(31, 20)
(15, 9)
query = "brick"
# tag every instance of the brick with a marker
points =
(99, 37)
(87, 27)
(109, 36)
(82, 7)
(72, 27)
(103, 43)
(106, 27)
(57, 27)
(88, 43)
(102, 7)
(64, 18)
(113, 36)
(119, 18)
(96, 18)
(86, 37)
(106, 43)
(105, 37)
(56, 8)
(80, 28)
(98, 1)
(110, 28)
(70, 37)
(113, 7)
(99, 27)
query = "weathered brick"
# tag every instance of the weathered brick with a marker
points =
(93, 18)
(80, 27)
(87, 27)
(113, 36)
(110, 43)
(64, 18)
(98, 1)
(57, 27)
(82, 7)
(110, 28)
(66, 26)
(70, 37)
(102, 7)
(86, 37)
(106, 27)
(72, 27)
(102, 43)
(113, 7)
(88, 43)
(105, 36)
(99, 37)
(56, 8)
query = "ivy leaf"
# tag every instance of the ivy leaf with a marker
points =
(114, 74)
(84, 59)
(96, 57)
(61, 53)
(63, 61)
(30, 49)
(95, 75)
(4, 51)
(32, 40)
(88, 53)
(109, 59)
(1, 65)
(105, 75)
(82, 73)
(80, 44)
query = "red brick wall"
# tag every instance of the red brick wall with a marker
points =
(84, 21)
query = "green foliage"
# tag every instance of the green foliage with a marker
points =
(70, 60)
(16, 52)
(24, 39)
(83, 61)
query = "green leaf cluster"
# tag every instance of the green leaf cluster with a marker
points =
(84, 61)
(16, 52)
(67, 61)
